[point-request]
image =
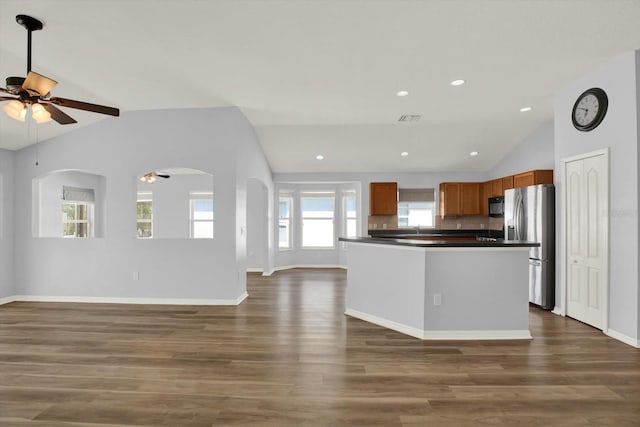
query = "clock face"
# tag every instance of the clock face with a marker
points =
(589, 109)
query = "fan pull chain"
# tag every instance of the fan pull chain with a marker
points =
(37, 142)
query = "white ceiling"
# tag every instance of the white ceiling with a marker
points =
(320, 76)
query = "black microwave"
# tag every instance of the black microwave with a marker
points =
(496, 207)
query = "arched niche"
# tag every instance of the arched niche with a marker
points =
(69, 204)
(175, 203)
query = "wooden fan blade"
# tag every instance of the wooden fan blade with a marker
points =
(95, 108)
(7, 98)
(163, 175)
(38, 83)
(5, 90)
(58, 115)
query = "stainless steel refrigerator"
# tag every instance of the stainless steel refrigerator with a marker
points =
(529, 214)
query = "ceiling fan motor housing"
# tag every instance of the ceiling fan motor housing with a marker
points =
(14, 84)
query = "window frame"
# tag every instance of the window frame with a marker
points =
(289, 198)
(346, 195)
(144, 197)
(410, 196)
(317, 195)
(89, 221)
(195, 196)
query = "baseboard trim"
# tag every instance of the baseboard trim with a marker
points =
(633, 342)
(6, 300)
(517, 334)
(385, 323)
(556, 310)
(289, 267)
(254, 270)
(121, 300)
(440, 335)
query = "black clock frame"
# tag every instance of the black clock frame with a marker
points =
(603, 102)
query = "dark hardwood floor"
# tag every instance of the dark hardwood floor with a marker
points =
(288, 356)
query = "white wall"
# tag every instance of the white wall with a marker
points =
(535, 152)
(210, 140)
(251, 165)
(7, 278)
(619, 132)
(257, 228)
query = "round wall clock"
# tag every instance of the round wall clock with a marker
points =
(589, 109)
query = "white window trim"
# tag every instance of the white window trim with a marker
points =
(317, 194)
(88, 221)
(345, 216)
(289, 196)
(201, 195)
(144, 196)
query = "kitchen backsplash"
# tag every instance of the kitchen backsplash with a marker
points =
(461, 223)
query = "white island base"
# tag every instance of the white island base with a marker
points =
(440, 293)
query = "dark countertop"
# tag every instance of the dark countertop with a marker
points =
(442, 243)
(435, 232)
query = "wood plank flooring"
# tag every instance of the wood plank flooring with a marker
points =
(288, 356)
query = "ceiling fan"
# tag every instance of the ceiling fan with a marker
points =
(34, 91)
(152, 176)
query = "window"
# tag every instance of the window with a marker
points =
(350, 214)
(317, 211)
(201, 215)
(416, 207)
(144, 215)
(285, 206)
(77, 212)
(76, 219)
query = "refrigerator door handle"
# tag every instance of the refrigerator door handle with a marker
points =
(521, 224)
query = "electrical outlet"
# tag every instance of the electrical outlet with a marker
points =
(437, 299)
(136, 275)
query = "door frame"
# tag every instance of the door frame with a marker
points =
(605, 250)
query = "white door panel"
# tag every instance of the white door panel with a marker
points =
(585, 204)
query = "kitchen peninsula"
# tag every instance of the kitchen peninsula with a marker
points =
(440, 289)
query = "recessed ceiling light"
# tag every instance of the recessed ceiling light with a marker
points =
(458, 82)
(319, 157)
(525, 109)
(402, 93)
(404, 153)
(473, 153)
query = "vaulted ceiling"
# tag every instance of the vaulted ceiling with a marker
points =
(321, 76)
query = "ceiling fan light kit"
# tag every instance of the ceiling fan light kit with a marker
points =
(16, 110)
(34, 91)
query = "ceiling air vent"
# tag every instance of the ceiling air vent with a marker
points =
(409, 118)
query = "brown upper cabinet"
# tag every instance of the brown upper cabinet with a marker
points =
(383, 198)
(487, 191)
(507, 183)
(471, 198)
(450, 199)
(533, 177)
(496, 188)
(460, 198)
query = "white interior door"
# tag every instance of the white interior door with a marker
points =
(586, 253)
